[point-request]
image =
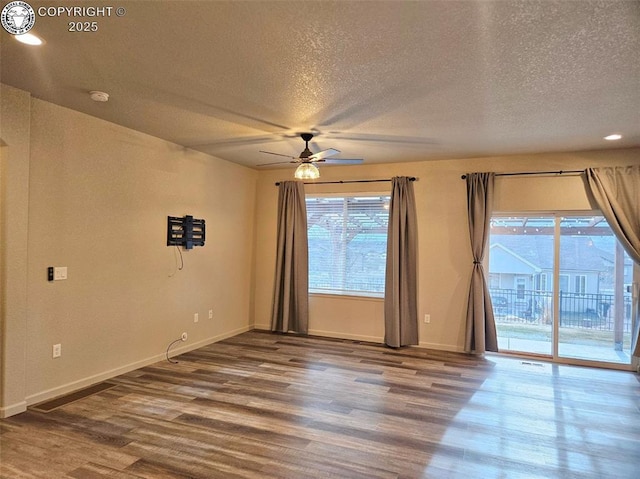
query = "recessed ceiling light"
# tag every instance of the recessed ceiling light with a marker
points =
(613, 137)
(99, 96)
(28, 39)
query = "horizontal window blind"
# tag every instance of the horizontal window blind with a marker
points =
(347, 244)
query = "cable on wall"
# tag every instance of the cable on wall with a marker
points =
(178, 268)
(183, 338)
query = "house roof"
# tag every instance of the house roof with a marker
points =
(504, 260)
(577, 253)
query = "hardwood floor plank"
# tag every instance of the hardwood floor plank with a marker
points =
(262, 405)
(98, 471)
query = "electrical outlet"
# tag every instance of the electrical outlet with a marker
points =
(57, 350)
(211, 314)
(427, 318)
(195, 317)
(184, 336)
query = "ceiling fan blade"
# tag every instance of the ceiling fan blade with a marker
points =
(279, 163)
(380, 138)
(278, 154)
(324, 154)
(341, 161)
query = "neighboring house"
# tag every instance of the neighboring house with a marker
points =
(521, 274)
(527, 260)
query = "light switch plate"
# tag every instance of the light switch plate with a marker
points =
(59, 273)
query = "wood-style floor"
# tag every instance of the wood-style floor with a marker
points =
(261, 405)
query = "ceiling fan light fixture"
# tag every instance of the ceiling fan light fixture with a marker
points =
(307, 171)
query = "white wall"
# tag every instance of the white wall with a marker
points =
(444, 257)
(99, 196)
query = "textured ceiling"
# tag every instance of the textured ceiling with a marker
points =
(383, 81)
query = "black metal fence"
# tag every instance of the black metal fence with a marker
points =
(585, 311)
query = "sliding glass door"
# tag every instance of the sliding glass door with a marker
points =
(561, 287)
(521, 265)
(595, 302)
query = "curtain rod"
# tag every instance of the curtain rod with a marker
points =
(525, 173)
(411, 178)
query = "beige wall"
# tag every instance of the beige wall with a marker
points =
(444, 256)
(99, 196)
(14, 207)
(93, 196)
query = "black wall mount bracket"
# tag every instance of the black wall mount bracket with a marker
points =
(185, 231)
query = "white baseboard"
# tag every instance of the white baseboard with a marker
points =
(371, 339)
(330, 334)
(175, 351)
(441, 347)
(339, 335)
(13, 409)
(96, 378)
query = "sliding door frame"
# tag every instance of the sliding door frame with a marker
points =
(555, 357)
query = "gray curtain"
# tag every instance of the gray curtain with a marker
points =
(400, 294)
(290, 294)
(616, 191)
(481, 327)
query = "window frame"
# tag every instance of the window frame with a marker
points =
(340, 292)
(580, 284)
(521, 286)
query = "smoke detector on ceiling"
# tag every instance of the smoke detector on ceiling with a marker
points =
(99, 96)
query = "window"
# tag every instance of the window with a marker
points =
(580, 284)
(347, 244)
(520, 287)
(541, 282)
(564, 283)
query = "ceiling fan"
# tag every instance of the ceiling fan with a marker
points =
(307, 169)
